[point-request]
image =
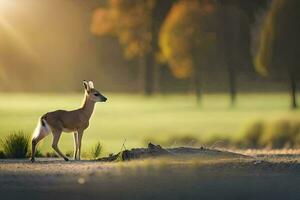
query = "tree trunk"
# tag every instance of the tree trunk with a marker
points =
(293, 91)
(232, 86)
(159, 13)
(162, 79)
(149, 74)
(158, 76)
(197, 86)
(229, 41)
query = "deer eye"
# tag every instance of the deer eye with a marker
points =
(97, 94)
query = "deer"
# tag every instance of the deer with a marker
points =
(76, 121)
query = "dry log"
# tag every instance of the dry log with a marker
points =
(154, 151)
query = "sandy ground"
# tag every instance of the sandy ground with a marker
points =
(265, 178)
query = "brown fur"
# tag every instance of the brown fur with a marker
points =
(70, 121)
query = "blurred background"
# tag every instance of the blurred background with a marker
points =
(178, 72)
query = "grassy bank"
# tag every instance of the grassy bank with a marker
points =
(135, 117)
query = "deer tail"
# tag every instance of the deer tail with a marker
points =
(42, 129)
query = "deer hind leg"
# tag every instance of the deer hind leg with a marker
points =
(75, 145)
(34, 143)
(80, 134)
(56, 136)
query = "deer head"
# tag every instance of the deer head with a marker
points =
(93, 94)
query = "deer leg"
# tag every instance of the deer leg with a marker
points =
(75, 145)
(80, 134)
(33, 148)
(34, 143)
(56, 136)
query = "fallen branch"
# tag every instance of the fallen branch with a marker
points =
(154, 151)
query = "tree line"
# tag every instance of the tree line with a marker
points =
(190, 36)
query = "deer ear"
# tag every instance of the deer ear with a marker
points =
(86, 85)
(91, 84)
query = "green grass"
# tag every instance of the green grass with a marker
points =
(136, 117)
(96, 150)
(15, 145)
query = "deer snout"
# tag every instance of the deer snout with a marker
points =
(104, 99)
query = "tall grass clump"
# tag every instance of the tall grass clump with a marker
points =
(15, 145)
(2, 155)
(251, 135)
(281, 133)
(39, 153)
(96, 150)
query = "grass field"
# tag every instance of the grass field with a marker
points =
(134, 117)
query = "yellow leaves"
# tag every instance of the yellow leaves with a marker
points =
(130, 21)
(183, 35)
(182, 68)
(264, 53)
(134, 43)
(133, 22)
(278, 44)
(102, 22)
(134, 49)
(150, 4)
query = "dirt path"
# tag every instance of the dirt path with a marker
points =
(233, 178)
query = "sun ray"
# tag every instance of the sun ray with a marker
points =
(17, 37)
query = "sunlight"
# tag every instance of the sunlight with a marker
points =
(4, 4)
(6, 7)
(16, 36)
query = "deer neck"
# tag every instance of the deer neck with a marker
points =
(87, 107)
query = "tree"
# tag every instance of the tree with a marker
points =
(136, 24)
(279, 45)
(185, 41)
(233, 41)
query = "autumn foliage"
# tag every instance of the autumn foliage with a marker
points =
(276, 55)
(184, 38)
(129, 21)
(279, 46)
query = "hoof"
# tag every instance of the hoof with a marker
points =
(32, 160)
(66, 159)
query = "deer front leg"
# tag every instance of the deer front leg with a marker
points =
(80, 134)
(75, 145)
(56, 136)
